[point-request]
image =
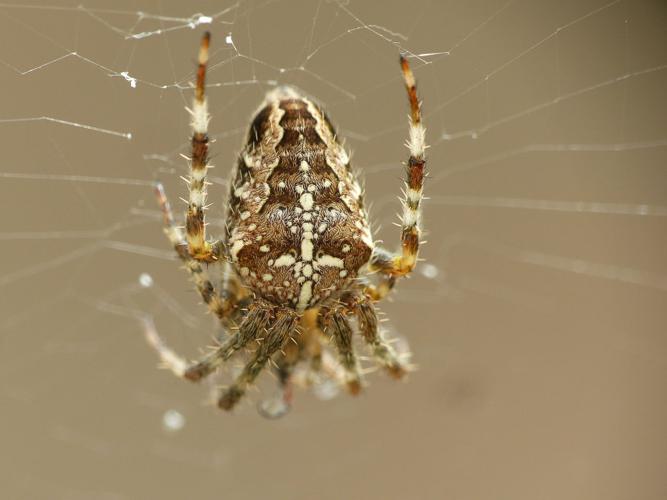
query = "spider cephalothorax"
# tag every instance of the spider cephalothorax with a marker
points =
(300, 264)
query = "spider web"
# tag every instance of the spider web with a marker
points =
(545, 219)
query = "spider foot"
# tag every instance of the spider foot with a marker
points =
(354, 386)
(230, 397)
(196, 372)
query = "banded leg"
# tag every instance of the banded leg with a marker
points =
(273, 341)
(195, 223)
(383, 352)
(336, 326)
(404, 262)
(221, 303)
(382, 289)
(284, 363)
(252, 327)
(385, 282)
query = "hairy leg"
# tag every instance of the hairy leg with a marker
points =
(384, 284)
(195, 224)
(383, 352)
(320, 365)
(402, 263)
(252, 327)
(271, 341)
(335, 325)
(304, 364)
(221, 303)
(284, 364)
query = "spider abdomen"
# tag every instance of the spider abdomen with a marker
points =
(297, 230)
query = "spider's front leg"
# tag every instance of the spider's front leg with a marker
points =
(334, 324)
(284, 364)
(320, 366)
(252, 327)
(222, 303)
(271, 340)
(402, 263)
(195, 223)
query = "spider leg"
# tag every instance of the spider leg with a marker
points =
(321, 366)
(221, 303)
(383, 352)
(379, 291)
(335, 325)
(284, 364)
(195, 223)
(307, 347)
(252, 327)
(402, 263)
(274, 339)
(311, 340)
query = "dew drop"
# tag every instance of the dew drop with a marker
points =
(429, 270)
(145, 280)
(326, 390)
(274, 407)
(173, 421)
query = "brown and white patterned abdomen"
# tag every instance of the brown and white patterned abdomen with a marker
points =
(297, 229)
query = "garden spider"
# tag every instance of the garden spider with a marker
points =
(300, 264)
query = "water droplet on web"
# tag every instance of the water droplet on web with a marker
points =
(145, 280)
(273, 407)
(326, 390)
(429, 270)
(173, 421)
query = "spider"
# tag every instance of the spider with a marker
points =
(300, 267)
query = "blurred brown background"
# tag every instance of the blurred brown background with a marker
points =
(538, 320)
